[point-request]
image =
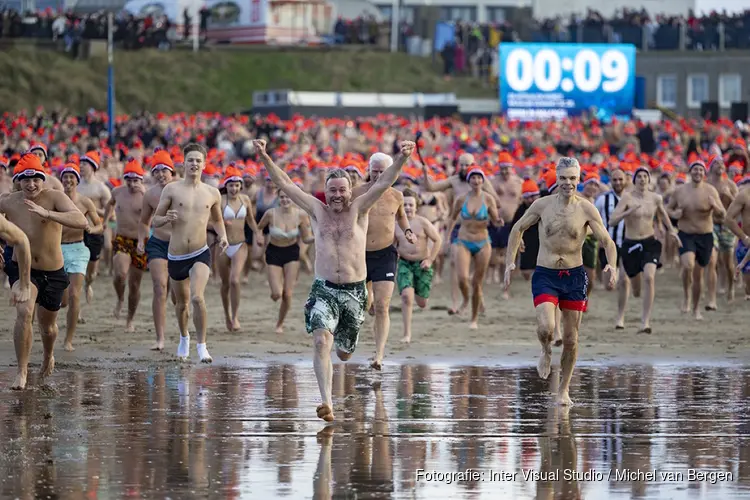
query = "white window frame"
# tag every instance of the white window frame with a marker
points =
(689, 97)
(659, 83)
(723, 101)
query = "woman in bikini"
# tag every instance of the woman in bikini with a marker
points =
(475, 210)
(287, 226)
(237, 210)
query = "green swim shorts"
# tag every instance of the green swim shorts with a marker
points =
(338, 308)
(724, 238)
(590, 251)
(411, 275)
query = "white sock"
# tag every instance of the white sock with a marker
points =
(183, 350)
(203, 352)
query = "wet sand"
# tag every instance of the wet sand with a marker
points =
(506, 334)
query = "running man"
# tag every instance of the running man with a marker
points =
(740, 209)
(414, 275)
(129, 263)
(641, 251)
(75, 253)
(564, 218)
(508, 188)
(189, 204)
(721, 269)
(95, 190)
(162, 170)
(382, 256)
(40, 213)
(335, 309)
(694, 205)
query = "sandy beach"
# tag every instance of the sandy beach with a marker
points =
(506, 334)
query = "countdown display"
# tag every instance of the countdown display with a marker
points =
(543, 81)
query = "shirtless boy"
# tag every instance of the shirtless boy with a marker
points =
(740, 209)
(694, 205)
(189, 205)
(641, 251)
(156, 249)
(560, 278)
(414, 274)
(129, 263)
(40, 213)
(382, 257)
(335, 309)
(95, 190)
(75, 253)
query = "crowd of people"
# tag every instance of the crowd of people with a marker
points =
(369, 206)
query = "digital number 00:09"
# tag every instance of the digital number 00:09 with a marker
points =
(544, 70)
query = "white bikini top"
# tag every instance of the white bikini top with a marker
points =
(229, 212)
(277, 232)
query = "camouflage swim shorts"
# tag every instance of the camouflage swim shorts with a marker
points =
(411, 275)
(724, 238)
(338, 308)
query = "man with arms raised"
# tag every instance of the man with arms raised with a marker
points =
(740, 209)
(335, 309)
(40, 213)
(641, 209)
(75, 253)
(508, 188)
(694, 205)
(95, 190)
(382, 257)
(414, 275)
(189, 204)
(157, 248)
(559, 278)
(129, 263)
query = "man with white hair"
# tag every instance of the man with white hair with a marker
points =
(382, 256)
(559, 277)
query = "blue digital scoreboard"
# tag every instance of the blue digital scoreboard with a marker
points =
(556, 80)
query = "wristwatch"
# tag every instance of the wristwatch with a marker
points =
(407, 230)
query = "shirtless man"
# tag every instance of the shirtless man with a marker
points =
(75, 253)
(156, 249)
(508, 188)
(95, 190)
(559, 278)
(382, 256)
(189, 205)
(721, 268)
(129, 263)
(740, 209)
(414, 275)
(335, 309)
(434, 208)
(459, 186)
(6, 183)
(694, 204)
(40, 213)
(641, 251)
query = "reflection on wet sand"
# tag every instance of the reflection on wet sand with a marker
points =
(214, 432)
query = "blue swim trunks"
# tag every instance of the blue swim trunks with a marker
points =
(76, 257)
(156, 249)
(740, 254)
(563, 287)
(454, 234)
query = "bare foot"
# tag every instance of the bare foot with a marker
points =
(506, 295)
(89, 294)
(117, 310)
(473, 325)
(558, 342)
(463, 308)
(697, 315)
(711, 307)
(620, 325)
(158, 346)
(376, 365)
(48, 366)
(236, 325)
(406, 340)
(437, 279)
(545, 362)
(69, 347)
(279, 329)
(324, 411)
(81, 320)
(685, 307)
(371, 310)
(129, 327)
(645, 329)
(564, 399)
(19, 383)
(245, 280)
(228, 323)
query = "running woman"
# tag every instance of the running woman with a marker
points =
(287, 225)
(237, 210)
